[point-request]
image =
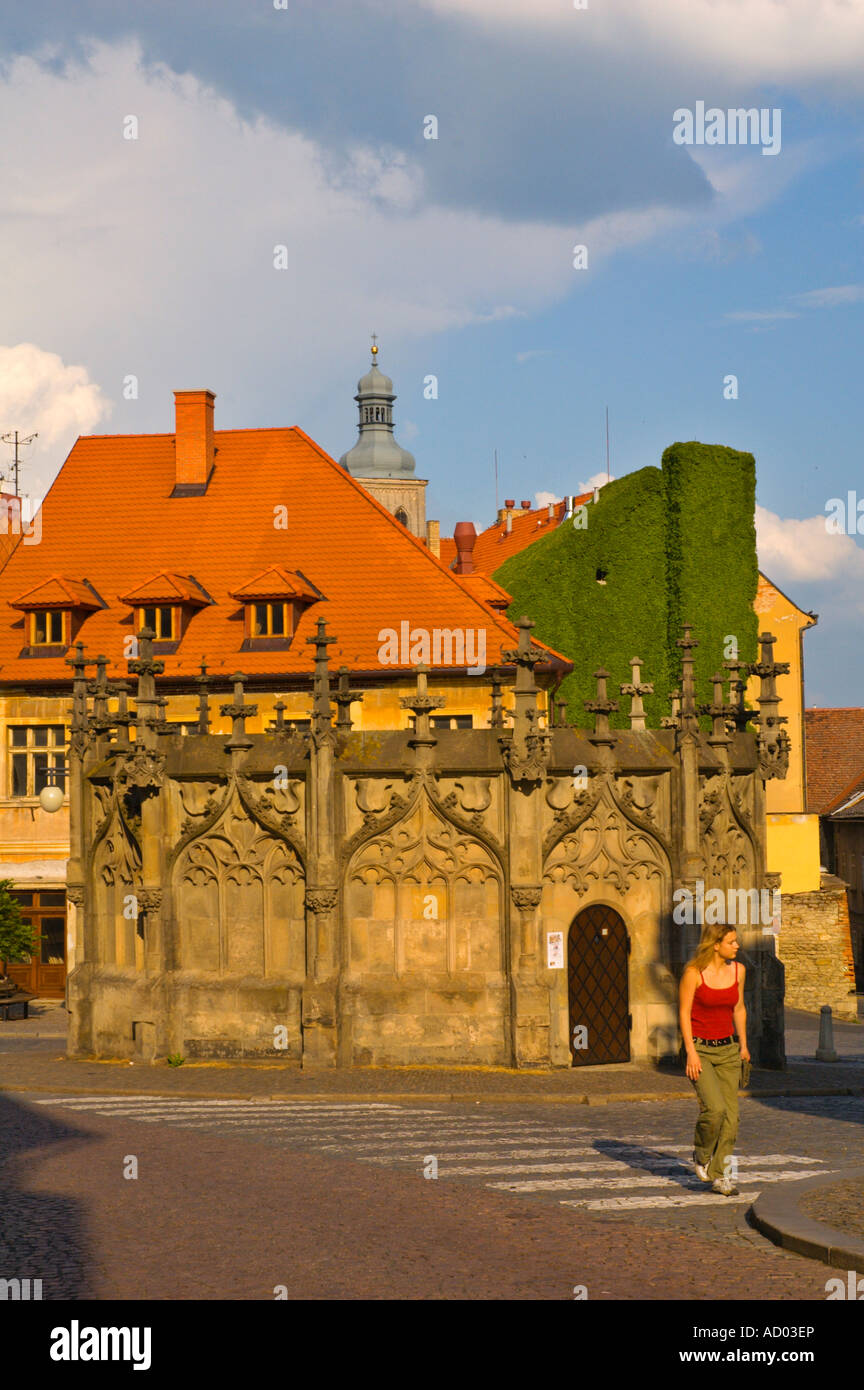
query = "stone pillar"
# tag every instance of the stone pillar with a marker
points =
(320, 992)
(688, 836)
(84, 956)
(525, 750)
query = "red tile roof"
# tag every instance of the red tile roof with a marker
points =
(165, 588)
(56, 592)
(495, 545)
(849, 805)
(486, 589)
(275, 582)
(110, 518)
(834, 740)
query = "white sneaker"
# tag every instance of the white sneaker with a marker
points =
(701, 1170)
(725, 1187)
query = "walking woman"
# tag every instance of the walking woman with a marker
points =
(711, 1013)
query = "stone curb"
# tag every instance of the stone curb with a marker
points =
(776, 1214)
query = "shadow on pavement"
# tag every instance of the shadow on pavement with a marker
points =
(42, 1236)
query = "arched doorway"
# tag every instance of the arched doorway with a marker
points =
(597, 951)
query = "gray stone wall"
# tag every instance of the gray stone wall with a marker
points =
(816, 949)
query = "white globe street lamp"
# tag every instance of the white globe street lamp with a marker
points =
(51, 796)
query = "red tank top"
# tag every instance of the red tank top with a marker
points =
(711, 1014)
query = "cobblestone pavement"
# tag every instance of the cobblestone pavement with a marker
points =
(233, 1199)
(625, 1161)
(841, 1205)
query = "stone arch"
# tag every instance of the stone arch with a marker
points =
(424, 895)
(598, 986)
(608, 847)
(239, 893)
(116, 869)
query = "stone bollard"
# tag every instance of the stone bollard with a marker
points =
(825, 1048)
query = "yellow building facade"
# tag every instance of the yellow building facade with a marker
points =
(792, 833)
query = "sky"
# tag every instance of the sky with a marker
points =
(155, 155)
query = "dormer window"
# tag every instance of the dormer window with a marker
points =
(166, 603)
(273, 604)
(49, 628)
(163, 620)
(53, 613)
(272, 619)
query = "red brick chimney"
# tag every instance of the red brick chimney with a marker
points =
(464, 535)
(193, 442)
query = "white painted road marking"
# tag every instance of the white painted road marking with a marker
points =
(509, 1150)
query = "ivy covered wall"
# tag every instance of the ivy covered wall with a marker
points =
(660, 546)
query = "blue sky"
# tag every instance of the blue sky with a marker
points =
(303, 127)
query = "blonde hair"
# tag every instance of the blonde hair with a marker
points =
(712, 935)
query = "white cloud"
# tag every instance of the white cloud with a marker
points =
(791, 550)
(831, 297)
(154, 256)
(542, 499)
(41, 394)
(755, 40)
(761, 315)
(596, 480)
(531, 354)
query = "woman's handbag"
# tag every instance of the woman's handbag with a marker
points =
(745, 1075)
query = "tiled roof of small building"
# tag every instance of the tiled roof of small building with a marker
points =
(56, 592)
(834, 740)
(274, 499)
(166, 588)
(496, 544)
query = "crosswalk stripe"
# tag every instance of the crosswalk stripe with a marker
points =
(649, 1164)
(477, 1157)
(114, 1103)
(327, 1139)
(438, 1137)
(195, 1112)
(444, 1157)
(179, 1102)
(695, 1199)
(565, 1184)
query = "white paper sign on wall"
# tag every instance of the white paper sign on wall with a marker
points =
(555, 950)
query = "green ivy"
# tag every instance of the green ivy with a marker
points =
(713, 570)
(674, 543)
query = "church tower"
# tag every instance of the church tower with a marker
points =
(383, 467)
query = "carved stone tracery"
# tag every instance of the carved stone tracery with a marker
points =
(607, 846)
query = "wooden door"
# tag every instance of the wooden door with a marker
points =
(597, 951)
(45, 972)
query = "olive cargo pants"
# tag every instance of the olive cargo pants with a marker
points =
(717, 1089)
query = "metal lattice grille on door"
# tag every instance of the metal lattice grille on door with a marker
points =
(598, 989)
